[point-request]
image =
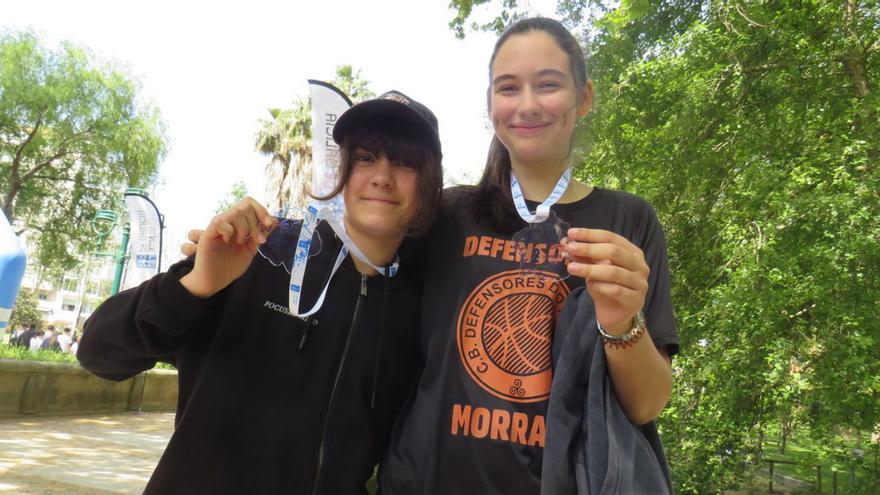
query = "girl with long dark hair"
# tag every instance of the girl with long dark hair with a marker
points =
(477, 421)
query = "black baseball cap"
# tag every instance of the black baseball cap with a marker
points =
(392, 105)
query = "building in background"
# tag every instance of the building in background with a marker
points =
(70, 302)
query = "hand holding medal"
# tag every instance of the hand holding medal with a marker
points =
(615, 271)
(227, 246)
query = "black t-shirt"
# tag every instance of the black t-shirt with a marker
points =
(476, 422)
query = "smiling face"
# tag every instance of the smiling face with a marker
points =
(381, 196)
(534, 100)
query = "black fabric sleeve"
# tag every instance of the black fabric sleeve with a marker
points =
(659, 316)
(134, 329)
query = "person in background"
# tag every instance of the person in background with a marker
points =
(50, 340)
(75, 345)
(64, 340)
(16, 333)
(37, 340)
(24, 338)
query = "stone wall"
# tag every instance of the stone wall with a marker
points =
(33, 387)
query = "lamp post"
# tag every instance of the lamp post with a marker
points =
(102, 225)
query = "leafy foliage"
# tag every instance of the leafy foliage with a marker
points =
(510, 13)
(236, 194)
(287, 139)
(25, 312)
(72, 137)
(753, 129)
(24, 354)
(44, 355)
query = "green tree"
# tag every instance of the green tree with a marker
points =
(753, 129)
(238, 191)
(286, 138)
(350, 82)
(25, 312)
(72, 136)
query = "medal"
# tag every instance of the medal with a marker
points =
(540, 247)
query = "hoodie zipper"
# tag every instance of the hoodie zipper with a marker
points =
(354, 321)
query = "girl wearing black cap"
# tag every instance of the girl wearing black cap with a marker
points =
(477, 424)
(268, 402)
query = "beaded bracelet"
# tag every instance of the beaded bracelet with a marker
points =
(628, 338)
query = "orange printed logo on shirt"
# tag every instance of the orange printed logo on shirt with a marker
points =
(504, 333)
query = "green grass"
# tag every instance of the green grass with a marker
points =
(24, 354)
(21, 353)
(802, 451)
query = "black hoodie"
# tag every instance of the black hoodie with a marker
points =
(268, 403)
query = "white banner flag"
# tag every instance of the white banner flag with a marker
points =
(145, 241)
(328, 103)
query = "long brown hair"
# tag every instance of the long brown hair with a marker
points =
(494, 202)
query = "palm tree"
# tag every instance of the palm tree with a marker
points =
(286, 139)
(350, 82)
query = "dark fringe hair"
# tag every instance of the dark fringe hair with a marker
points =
(398, 142)
(494, 206)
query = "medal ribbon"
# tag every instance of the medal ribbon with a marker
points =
(301, 257)
(543, 210)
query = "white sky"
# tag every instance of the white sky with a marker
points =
(214, 68)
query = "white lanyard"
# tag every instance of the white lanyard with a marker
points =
(543, 210)
(301, 257)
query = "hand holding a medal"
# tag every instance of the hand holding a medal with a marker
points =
(614, 269)
(615, 272)
(225, 249)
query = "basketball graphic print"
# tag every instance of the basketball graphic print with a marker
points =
(517, 332)
(505, 330)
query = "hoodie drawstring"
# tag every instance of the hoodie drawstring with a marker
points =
(378, 362)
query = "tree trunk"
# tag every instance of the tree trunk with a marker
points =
(40, 272)
(854, 58)
(15, 179)
(760, 452)
(784, 434)
(8, 202)
(283, 186)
